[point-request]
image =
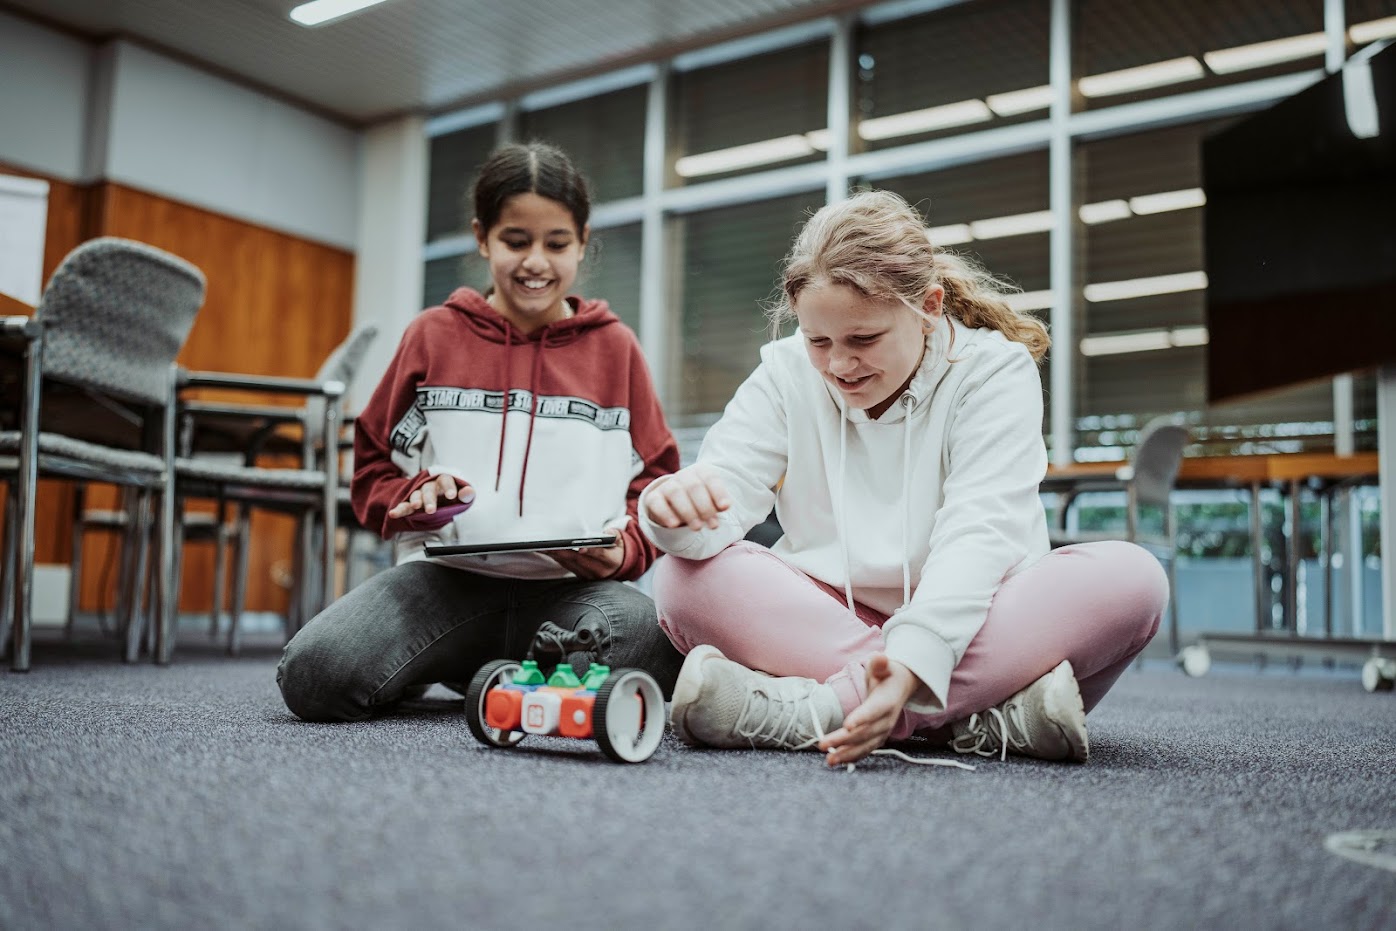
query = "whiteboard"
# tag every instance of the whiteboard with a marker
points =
(23, 221)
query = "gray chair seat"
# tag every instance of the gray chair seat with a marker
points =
(56, 444)
(252, 476)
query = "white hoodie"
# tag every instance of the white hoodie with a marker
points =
(921, 514)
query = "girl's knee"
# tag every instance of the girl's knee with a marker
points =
(315, 684)
(1143, 584)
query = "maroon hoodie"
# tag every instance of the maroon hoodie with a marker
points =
(558, 431)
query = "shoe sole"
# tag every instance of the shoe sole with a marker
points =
(687, 689)
(1064, 706)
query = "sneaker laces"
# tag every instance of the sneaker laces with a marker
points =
(777, 722)
(779, 726)
(993, 730)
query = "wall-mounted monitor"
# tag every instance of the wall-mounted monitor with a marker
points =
(1300, 229)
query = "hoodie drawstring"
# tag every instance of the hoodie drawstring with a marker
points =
(532, 414)
(907, 402)
(504, 409)
(843, 511)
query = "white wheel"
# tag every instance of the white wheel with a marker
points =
(1379, 674)
(628, 717)
(499, 672)
(1195, 660)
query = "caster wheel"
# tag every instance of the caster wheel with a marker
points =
(1195, 660)
(499, 672)
(1379, 674)
(628, 717)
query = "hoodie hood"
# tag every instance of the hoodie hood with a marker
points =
(488, 323)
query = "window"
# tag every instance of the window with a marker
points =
(444, 275)
(611, 271)
(1155, 48)
(968, 67)
(455, 161)
(603, 135)
(731, 266)
(760, 112)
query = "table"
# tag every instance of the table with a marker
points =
(1290, 472)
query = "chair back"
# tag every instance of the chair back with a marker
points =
(341, 365)
(1157, 458)
(116, 314)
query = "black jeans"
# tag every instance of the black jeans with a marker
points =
(420, 623)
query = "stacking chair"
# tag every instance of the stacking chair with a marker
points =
(312, 588)
(95, 405)
(1147, 482)
(247, 431)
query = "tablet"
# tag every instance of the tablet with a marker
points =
(521, 546)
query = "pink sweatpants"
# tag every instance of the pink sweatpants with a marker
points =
(1096, 604)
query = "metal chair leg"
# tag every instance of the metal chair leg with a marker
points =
(135, 616)
(75, 563)
(9, 564)
(220, 547)
(239, 579)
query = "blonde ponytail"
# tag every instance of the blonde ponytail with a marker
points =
(978, 299)
(876, 243)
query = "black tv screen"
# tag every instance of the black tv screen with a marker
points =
(1300, 228)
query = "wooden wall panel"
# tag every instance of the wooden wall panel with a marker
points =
(276, 305)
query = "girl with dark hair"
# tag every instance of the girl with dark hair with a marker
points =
(521, 413)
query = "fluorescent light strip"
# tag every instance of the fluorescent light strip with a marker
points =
(951, 235)
(1144, 77)
(1114, 344)
(1146, 204)
(718, 161)
(1016, 225)
(319, 12)
(1145, 287)
(1372, 30)
(1104, 211)
(1260, 54)
(962, 113)
(1024, 101)
(1030, 300)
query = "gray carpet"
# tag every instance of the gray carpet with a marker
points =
(188, 797)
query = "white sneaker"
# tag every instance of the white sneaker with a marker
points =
(1045, 720)
(719, 703)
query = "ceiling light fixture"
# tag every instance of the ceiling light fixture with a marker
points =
(951, 235)
(1260, 54)
(1016, 225)
(718, 161)
(1168, 200)
(1026, 100)
(319, 12)
(1145, 287)
(1104, 211)
(1029, 300)
(1115, 344)
(1372, 30)
(921, 121)
(1174, 71)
